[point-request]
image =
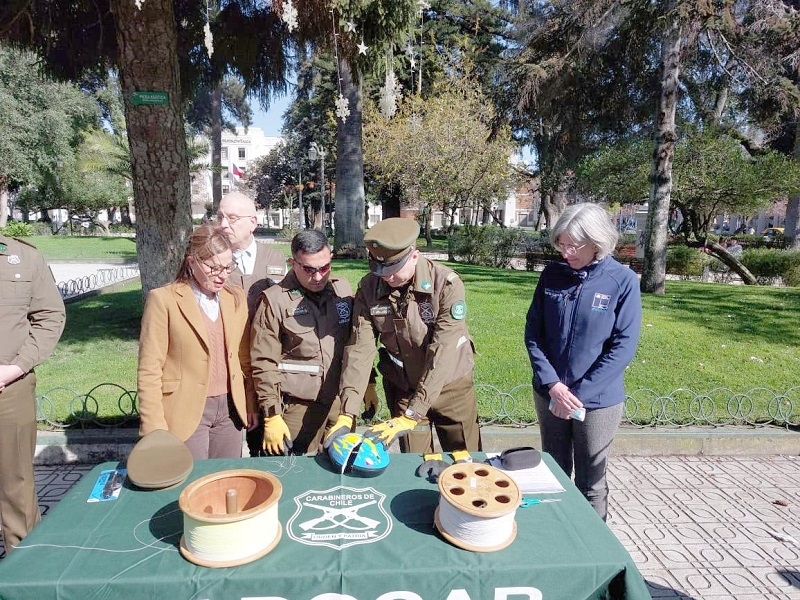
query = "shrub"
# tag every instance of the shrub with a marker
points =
(685, 262)
(120, 228)
(485, 245)
(17, 229)
(767, 264)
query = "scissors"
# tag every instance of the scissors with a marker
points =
(528, 502)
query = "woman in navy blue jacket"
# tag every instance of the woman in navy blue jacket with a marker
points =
(581, 333)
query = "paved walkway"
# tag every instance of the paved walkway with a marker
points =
(698, 527)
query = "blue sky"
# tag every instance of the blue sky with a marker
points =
(270, 121)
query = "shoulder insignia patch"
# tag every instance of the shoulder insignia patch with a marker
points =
(459, 310)
(3, 247)
(426, 285)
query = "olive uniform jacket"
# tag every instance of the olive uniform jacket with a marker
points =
(31, 310)
(426, 344)
(297, 339)
(174, 367)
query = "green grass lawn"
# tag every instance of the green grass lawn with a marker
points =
(698, 336)
(60, 247)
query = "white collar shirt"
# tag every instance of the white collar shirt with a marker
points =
(210, 306)
(246, 259)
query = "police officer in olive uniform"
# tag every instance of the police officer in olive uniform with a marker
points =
(297, 338)
(258, 266)
(416, 308)
(31, 321)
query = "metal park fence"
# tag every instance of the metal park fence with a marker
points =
(111, 405)
(75, 288)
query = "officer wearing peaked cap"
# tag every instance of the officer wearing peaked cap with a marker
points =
(416, 308)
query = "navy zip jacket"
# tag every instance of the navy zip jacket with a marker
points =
(583, 328)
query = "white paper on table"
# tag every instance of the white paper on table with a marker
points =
(538, 480)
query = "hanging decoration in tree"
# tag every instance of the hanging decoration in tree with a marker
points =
(342, 104)
(208, 38)
(391, 92)
(138, 4)
(289, 15)
(343, 108)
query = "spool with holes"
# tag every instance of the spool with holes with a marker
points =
(230, 518)
(477, 505)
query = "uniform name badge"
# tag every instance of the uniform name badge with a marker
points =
(381, 310)
(297, 311)
(13, 259)
(274, 271)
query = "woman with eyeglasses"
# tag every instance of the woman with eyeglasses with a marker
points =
(192, 353)
(581, 334)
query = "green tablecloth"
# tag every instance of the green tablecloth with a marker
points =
(128, 547)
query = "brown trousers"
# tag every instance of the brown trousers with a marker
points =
(19, 508)
(454, 415)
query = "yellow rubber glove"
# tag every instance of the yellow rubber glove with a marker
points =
(461, 456)
(276, 439)
(343, 425)
(388, 431)
(371, 402)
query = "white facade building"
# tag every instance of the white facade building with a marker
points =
(239, 150)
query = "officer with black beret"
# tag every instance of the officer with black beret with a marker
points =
(416, 308)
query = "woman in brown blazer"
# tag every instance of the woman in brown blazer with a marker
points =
(191, 355)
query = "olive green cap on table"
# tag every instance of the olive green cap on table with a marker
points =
(159, 460)
(389, 244)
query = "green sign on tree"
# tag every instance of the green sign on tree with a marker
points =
(150, 98)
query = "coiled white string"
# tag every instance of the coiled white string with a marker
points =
(476, 531)
(223, 542)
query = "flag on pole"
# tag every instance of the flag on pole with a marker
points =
(237, 171)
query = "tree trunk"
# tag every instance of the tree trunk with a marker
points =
(654, 268)
(216, 146)
(350, 201)
(148, 61)
(732, 263)
(791, 230)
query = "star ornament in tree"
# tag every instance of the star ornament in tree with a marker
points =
(350, 27)
(362, 48)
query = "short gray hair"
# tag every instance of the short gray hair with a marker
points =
(587, 223)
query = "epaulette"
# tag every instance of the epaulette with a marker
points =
(21, 241)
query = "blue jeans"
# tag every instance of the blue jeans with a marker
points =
(584, 445)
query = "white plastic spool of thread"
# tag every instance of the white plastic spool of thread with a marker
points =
(477, 505)
(230, 518)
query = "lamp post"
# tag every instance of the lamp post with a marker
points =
(301, 220)
(316, 152)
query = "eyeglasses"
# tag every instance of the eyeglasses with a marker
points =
(215, 270)
(221, 216)
(570, 249)
(314, 270)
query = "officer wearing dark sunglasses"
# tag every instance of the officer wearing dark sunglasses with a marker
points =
(297, 339)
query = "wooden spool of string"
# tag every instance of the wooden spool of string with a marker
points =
(230, 518)
(477, 505)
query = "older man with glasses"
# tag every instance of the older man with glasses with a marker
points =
(297, 339)
(257, 267)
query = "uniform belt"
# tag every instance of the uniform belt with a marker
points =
(291, 367)
(394, 359)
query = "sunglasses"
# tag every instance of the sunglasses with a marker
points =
(314, 270)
